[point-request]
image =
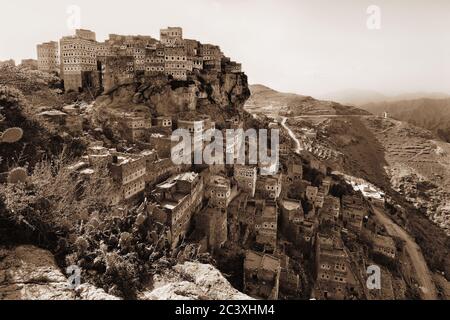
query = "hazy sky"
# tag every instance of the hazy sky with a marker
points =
(305, 46)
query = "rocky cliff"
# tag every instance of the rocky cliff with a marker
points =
(192, 281)
(30, 273)
(219, 95)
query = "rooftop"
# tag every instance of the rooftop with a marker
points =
(255, 260)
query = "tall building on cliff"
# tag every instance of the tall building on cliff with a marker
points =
(79, 60)
(48, 57)
(84, 63)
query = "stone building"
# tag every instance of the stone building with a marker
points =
(48, 57)
(233, 67)
(164, 122)
(335, 279)
(177, 64)
(159, 170)
(117, 70)
(289, 280)
(177, 200)
(305, 233)
(319, 200)
(88, 64)
(99, 156)
(261, 275)
(266, 225)
(30, 64)
(79, 61)
(385, 246)
(134, 128)
(171, 36)
(327, 184)
(197, 126)
(212, 225)
(128, 171)
(295, 227)
(311, 193)
(246, 178)
(330, 212)
(291, 215)
(269, 187)
(218, 191)
(294, 172)
(212, 57)
(9, 62)
(154, 61)
(353, 212)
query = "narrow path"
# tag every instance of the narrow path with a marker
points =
(298, 147)
(423, 274)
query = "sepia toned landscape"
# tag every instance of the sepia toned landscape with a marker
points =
(103, 194)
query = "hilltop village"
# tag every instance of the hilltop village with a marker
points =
(300, 233)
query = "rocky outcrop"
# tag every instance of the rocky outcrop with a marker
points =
(219, 95)
(30, 273)
(192, 281)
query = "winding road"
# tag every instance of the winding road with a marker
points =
(298, 147)
(423, 274)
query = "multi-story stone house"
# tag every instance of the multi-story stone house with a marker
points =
(211, 225)
(353, 212)
(171, 36)
(246, 178)
(128, 172)
(311, 194)
(177, 200)
(261, 275)
(117, 70)
(266, 226)
(79, 61)
(134, 128)
(212, 57)
(335, 279)
(330, 212)
(48, 57)
(218, 191)
(269, 187)
(385, 246)
(32, 64)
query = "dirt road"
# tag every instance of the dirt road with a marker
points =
(423, 274)
(298, 147)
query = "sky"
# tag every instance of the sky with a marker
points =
(310, 47)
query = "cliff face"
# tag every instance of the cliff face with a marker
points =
(219, 95)
(30, 273)
(192, 281)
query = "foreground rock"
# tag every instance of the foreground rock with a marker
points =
(192, 281)
(30, 273)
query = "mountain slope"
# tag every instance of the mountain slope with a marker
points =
(408, 163)
(268, 101)
(431, 114)
(358, 97)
